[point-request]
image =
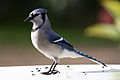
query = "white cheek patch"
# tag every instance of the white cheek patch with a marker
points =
(39, 17)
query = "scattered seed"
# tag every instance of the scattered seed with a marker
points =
(36, 68)
(68, 66)
(103, 67)
(39, 70)
(103, 71)
(31, 71)
(33, 74)
(46, 67)
(83, 72)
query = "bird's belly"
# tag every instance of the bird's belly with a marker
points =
(49, 50)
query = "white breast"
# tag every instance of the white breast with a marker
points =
(34, 39)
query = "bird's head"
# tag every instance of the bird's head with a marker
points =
(37, 16)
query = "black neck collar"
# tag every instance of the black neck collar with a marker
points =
(43, 18)
(33, 30)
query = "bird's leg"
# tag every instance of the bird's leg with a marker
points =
(55, 71)
(50, 70)
(51, 66)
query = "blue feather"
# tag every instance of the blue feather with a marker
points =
(89, 57)
(40, 10)
(65, 45)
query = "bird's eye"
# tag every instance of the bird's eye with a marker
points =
(34, 15)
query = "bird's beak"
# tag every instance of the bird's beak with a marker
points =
(28, 19)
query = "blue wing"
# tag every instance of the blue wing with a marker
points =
(65, 44)
(52, 37)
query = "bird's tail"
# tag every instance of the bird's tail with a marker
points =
(89, 57)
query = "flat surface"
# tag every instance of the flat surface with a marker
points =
(67, 72)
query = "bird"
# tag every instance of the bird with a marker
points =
(49, 43)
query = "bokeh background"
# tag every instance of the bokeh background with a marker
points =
(92, 26)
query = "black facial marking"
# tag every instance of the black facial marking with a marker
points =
(43, 17)
(34, 15)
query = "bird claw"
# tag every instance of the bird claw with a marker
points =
(47, 73)
(50, 72)
(55, 72)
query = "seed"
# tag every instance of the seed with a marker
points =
(33, 74)
(38, 70)
(68, 66)
(83, 72)
(46, 67)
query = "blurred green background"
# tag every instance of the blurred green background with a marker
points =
(92, 26)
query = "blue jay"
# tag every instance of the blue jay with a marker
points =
(49, 43)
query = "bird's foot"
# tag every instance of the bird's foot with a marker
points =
(47, 73)
(50, 72)
(55, 72)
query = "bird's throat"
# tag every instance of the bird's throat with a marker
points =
(35, 29)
